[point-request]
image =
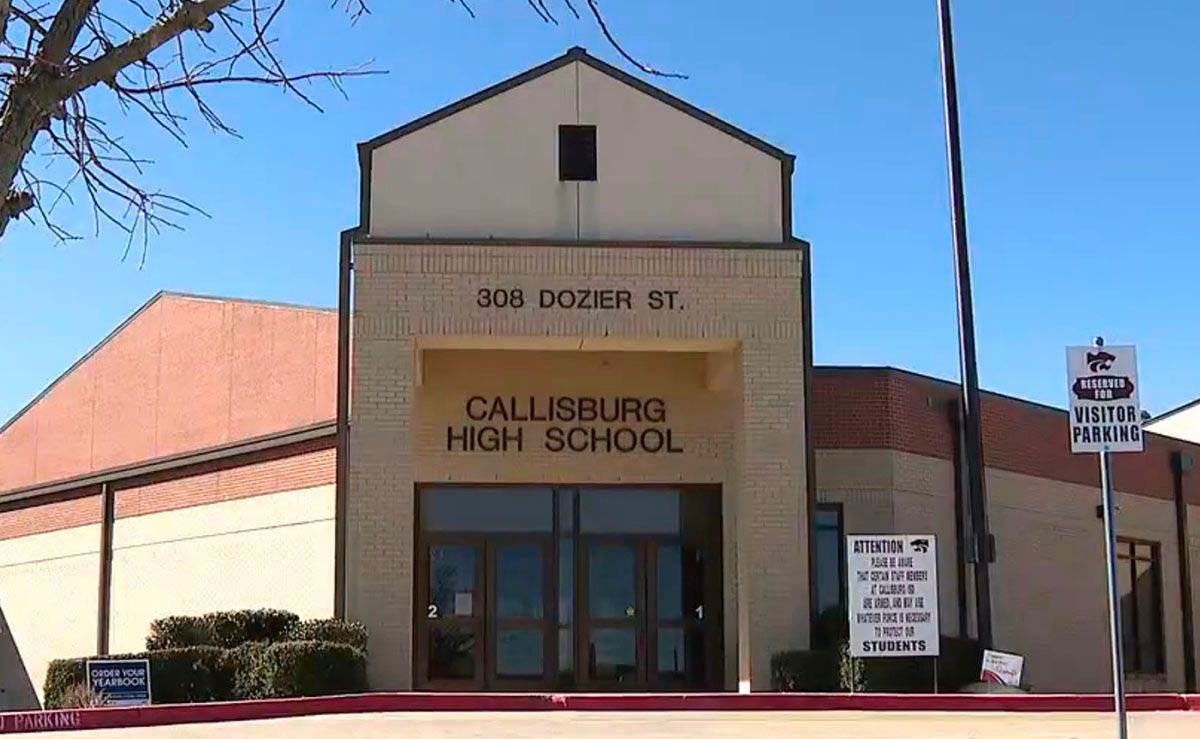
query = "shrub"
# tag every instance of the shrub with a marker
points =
(185, 675)
(241, 674)
(81, 696)
(826, 670)
(174, 632)
(330, 630)
(64, 677)
(226, 629)
(813, 671)
(301, 668)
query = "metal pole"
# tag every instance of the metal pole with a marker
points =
(972, 420)
(1114, 605)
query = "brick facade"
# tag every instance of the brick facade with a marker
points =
(411, 296)
(145, 392)
(885, 408)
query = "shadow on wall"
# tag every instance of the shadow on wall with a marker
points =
(16, 691)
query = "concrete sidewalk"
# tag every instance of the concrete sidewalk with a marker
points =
(677, 725)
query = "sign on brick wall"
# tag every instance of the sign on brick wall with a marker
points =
(893, 595)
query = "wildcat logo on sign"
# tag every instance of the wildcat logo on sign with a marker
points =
(1106, 414)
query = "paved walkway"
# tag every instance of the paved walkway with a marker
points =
(678, 725)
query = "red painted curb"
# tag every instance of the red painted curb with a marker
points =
(111, 718)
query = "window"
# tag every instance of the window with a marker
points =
(830, 572)
(1140, 590)
(577, 153)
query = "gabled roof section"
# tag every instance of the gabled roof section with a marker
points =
(1176, 410)
(133, 316)
(183, 372)
(575, 54)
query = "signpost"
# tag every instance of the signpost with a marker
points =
(893, 596)
(1106, 417)
(122, 682)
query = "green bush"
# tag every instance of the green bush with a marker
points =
(812, 671)
(235, 655)
(241, 672)
(185, 675)
(301, 668)
(330, 630)
(226, 629)
(832, 670)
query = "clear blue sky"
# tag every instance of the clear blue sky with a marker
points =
(1081, 125)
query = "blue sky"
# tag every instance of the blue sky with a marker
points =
(1081, 126)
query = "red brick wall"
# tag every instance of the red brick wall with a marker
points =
(306, 470)
(51, 517)
(298, 466)
(882, 408)
(185, 374)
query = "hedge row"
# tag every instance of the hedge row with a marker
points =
(261, 670)
(831, 670)
(226, 629)
(234, 655)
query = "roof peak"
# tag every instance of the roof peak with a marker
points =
(576, 54)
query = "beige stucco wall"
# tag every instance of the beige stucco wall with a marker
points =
(661, 174)
(273, 551)
(1049, 598)
(1184, 424)
(409, 298)
(49, 596)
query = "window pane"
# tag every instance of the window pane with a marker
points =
(451, 581)
(611, 588)
(519, 653)
(566, 656)
(829, 569)
(519, 581)
(1128, 614)
(827, 518)
(629, 511)
(612, 655)
(566, 582)
(1148, 636)
(487, 509)
(451, 652)
(681, 656)
(566, 511)
(670, 582)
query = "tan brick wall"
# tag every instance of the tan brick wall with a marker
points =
(1048, 582)
(740, 305)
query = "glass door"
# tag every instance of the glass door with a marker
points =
(449, 647)
(682, 619)
(612, 635)
(520, 653)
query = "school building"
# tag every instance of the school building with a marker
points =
(563, 432)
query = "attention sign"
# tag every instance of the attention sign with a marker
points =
(1102, 384)
(893, 595)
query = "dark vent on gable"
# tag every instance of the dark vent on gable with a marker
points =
(577, 153)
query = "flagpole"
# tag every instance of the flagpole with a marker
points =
(972, 419)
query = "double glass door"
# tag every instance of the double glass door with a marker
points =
(570, 602)
(487, 615)
(643, 623)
